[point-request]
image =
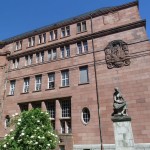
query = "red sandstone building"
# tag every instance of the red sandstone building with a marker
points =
(68, 69)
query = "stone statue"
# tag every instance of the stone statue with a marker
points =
(119, 105)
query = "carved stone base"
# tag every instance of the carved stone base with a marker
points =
(123, 133)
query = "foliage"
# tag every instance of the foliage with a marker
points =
(33, 131)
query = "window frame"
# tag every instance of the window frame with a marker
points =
(52, 54)
(51, 81)
(18, 45)
(38, 83)
(53, 35)
(80, 26)
(64, 78)
(31, 41)
(65, 51)
(87, 74)
(42, 38)
(12, 87)
(26, 85)
(83, 48)
(65, 31)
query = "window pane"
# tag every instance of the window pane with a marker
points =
(84, 26)
(62, 52)
(66, 108)
(51, 35)
(83, 75)
(67, 31)
(67, 51)
(85, 45)
(79, 45)
(51, 108)
(79, 27)
(86, 115)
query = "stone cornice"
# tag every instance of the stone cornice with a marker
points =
(72, 20)
(85, 37)
(5, 53)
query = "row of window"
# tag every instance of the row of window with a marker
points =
(51, 80)
(65, 116)
(82, 47)
(53, 35)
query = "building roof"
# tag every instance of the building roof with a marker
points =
(87, 15)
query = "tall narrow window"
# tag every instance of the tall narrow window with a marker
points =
(52, 54)
(31, 41)
(51, 80)
(85, 115)
(12, 87)
(15, 63)
(64, 78)
(42, 38)
(84, 75)
(39, 57)
(82, 47)
(38, 82)
(81, 27)
(50, 105)
(65, 31)
(65, 51)
(28, 60)
(66, 108)
(18, 45)
(53, 35)
(26, 85)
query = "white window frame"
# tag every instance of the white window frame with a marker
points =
(84, 47)
(26, 85)
(52, 54)
(31, 41)
(65, 78)
(12, 87)
(65, 31)
(53, 35)
(38, 82)
(51, 80)
(40, 57)
(28, 60)
(81, 26)
(42, 38)
(18, 45)
(65, 51)
(15, 63)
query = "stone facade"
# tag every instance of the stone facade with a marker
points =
(102, 27)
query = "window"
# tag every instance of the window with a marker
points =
(82, 47)
(52, 54)
(15, 63)
(66, 116)
(18, 45)
(42, 38)
(65, 78)
(7, 121)
(12, 87)
(61, 147)
(38, 82)
(36, 105)
(66, 108)
(39, 57)
(23, 107)
(31, 41)
(65, 51)
(51, 80)
(81, 27)
(85, 115)
(65, 31)
(51, 108)
(53, 35)
(28, 60)
(84, 74)
(26, 85)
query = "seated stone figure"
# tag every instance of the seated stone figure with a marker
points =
(119, 105)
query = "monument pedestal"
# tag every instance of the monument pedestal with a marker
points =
(123, 133)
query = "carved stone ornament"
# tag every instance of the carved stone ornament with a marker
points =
(117, 54)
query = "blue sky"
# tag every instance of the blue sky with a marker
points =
(19, 16)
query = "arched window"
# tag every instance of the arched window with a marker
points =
(85, 115)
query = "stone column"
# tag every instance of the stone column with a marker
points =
(58, 116)
(123, 133)
(44, 106)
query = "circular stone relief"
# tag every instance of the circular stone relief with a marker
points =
(85, 115)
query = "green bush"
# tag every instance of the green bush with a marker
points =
(33, 131)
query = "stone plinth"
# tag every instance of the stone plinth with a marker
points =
(123, 133)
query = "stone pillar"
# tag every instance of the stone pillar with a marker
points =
(44, 106)
(58, 116)
(123, 133)
(29, 106)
